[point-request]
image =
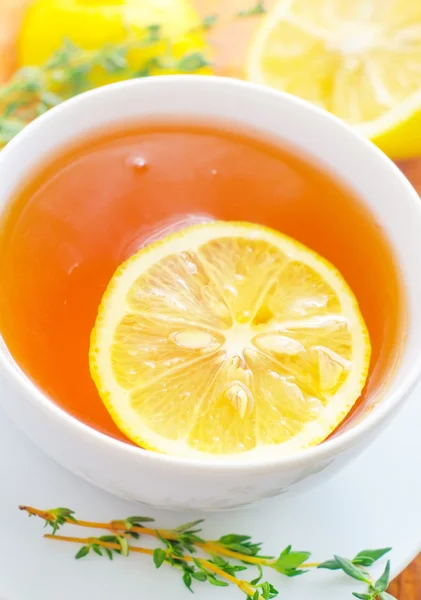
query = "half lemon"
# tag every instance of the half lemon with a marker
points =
(228, 340)
(359, 60)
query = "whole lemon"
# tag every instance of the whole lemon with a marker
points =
(93, 24)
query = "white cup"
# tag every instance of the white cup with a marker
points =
(178, 483)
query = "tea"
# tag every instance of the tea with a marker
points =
(94, 204)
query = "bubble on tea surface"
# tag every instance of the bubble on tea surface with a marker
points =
(137, 162)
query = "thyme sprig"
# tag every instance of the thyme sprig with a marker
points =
(71, 70)
(216, 562)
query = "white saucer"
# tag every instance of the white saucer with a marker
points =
(374, 503)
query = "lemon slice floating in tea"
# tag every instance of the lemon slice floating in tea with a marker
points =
(359, 60)
(228, 340)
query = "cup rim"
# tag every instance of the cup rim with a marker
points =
(326, 449)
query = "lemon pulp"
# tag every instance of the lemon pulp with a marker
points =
(228, 339)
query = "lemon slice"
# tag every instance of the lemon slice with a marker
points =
(360, 60)
(228, 340)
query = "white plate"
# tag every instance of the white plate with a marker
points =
(374, 503)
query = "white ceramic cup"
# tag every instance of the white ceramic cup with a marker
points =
(178, 483)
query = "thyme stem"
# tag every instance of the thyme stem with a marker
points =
(243, 585)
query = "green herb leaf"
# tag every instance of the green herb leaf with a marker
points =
(214, 581)
(367, 557)
(265, 590)
(199, 575)
(332, 565)
(256, 595)
(192, 62)
(159, 556)
(82, 552)
(114, 62)
(256, 581)
(187, 581)
(209, 22)
(233, 538)
(108, 553)
(288, 562)
(362, 596)
(64, 512)
(110, 539)
(50, 99)
(351, 570)
(188, 526)
(166, 543)
(154, 33)
(257, 9)
(386, 596)
(97, 549)
(383, 581)
(138, 520)
(124, 545)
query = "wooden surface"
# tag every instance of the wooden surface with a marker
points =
(408, 585)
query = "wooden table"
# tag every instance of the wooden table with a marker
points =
(408, 585)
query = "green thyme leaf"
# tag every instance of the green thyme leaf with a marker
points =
(209, 22)
(233, 538)
(8, 129)
(97, 549)
(265, 587)
(82, 552)
(362, 596)
(219, 561)
(187, 581)
(199, 575)
(192, 62)
(351, 570)
(288, 562)
(332, 565)
(386, 596)
(63, 512)
(159, 556)
(259, 578)
(111, 539)
(108, 553)
(367, 557)
(187, 526)
(214, 581)
(114, 62)
(50, 99)
(137, 521)
(166, 542)
(257, 9)
(154, 32)
(124, 545)
(383, 581)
